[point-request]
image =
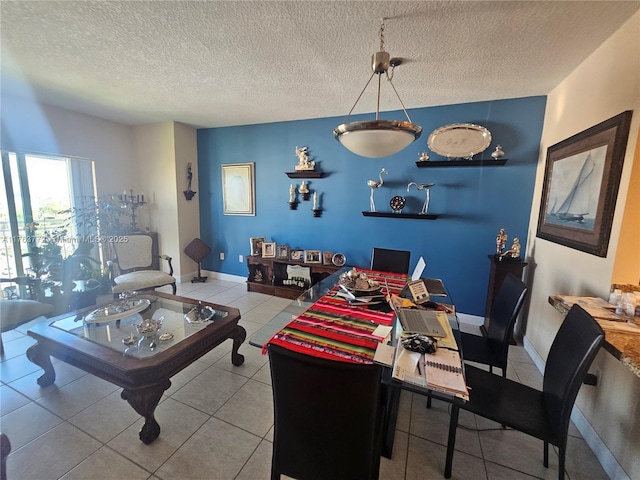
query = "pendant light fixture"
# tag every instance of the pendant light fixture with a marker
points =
(378, 138)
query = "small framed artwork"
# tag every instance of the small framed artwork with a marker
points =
(580, 188)
(282, 252)
(327, 258)
(256, 245)
(269, 249)
(238, 189)
(312, 256)
(297, 255)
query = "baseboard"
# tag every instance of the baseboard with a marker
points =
(224, 276)
(470, 319)
(608, 462)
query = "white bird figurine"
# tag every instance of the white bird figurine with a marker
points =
(423, 186)
(373, 184)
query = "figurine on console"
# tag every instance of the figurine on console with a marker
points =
(304, 164)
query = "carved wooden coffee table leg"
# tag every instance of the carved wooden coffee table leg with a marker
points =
(145, 401)
(37, 355)
(239, 335)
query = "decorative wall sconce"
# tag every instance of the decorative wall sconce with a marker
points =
(317, 211)
(304, 191)
(293, 203)
(188, 193)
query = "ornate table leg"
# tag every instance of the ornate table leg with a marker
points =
(144, 402)
(239, 335)
(37, 355)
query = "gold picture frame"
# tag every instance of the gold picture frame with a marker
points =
(238, 189)
(269, 250)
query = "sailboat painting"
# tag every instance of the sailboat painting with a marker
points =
(580, 187)
(575, 189)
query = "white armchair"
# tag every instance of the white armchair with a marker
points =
(136, 265)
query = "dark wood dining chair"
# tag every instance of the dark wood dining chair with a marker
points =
(493, 350)
(5, 449)
(328, 417)
(542, 414)
(386, 260)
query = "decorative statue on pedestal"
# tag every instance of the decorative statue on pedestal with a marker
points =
(514, 251)
(501, 241)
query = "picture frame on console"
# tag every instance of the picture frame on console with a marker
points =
(327, 258)
(581, 180)
(297, 255)
(312, 256)
(282, 252)
(256, 246)
(269, 249)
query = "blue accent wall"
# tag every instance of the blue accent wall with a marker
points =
(473, 202)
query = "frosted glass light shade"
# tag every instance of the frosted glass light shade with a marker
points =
(376, 138)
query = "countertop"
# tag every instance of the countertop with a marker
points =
(622, 332)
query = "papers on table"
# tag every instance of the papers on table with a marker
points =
(440, 371)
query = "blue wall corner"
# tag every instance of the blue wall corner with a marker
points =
(473, 202)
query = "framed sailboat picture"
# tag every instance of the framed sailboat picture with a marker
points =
(581, 180)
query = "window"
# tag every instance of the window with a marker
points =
(37, 188)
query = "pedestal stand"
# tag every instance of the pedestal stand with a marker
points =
(197, 250)
(500, 267)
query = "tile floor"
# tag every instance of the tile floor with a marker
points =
(217, 420)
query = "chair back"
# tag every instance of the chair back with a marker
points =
(572, 352)
(327, 417)
(385, 260)
(504, 310)
(136, 253)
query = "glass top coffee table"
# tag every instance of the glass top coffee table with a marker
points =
(107, 343)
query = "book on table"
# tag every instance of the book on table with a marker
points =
(440, 371)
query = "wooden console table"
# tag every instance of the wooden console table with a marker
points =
(622, 332)
(273, 272)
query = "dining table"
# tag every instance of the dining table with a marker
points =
(323, 322)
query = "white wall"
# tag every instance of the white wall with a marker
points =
(30, 126)
(605, 84)
(163, 151)
(188, 211)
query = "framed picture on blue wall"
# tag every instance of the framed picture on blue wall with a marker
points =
(238, 189)
(580, 188)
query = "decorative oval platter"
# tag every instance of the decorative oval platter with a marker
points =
(117, 310)
(459, 140)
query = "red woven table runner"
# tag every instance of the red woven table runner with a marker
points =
(332, 328)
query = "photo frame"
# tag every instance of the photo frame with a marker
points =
(238, 189)
(269, 249)
(327, 258)
(296, 255)
(282, 252)
(581, 180)
(312, 256)
(256, 245)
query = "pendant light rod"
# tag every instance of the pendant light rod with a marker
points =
(378, 138)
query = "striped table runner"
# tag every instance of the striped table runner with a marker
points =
(331, 328)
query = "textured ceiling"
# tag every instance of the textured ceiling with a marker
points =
(217, 63)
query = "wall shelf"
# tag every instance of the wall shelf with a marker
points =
(305, 174)
(461, 163)
(418, 216)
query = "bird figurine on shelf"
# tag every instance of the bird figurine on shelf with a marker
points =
(427, 188)
(374, 185)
